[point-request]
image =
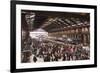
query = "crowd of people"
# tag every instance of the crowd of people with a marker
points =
(47, 51)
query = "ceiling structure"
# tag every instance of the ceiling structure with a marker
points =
(54, 21)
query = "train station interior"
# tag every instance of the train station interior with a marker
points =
(49, 36)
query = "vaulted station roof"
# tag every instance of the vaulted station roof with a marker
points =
(54, 21)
